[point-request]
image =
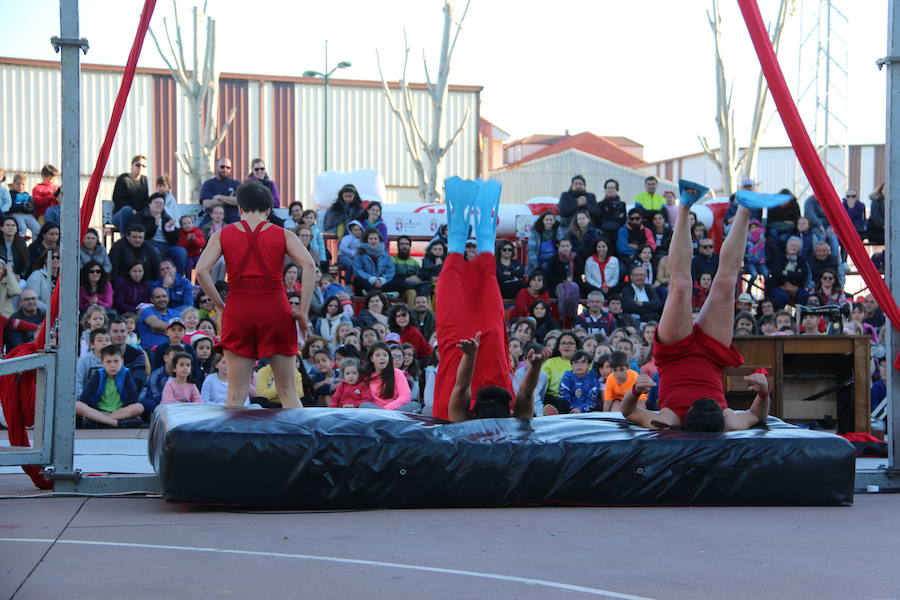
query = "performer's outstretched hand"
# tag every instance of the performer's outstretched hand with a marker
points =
(469, 346)
(536, 359)
(643, 384)
(757, 382)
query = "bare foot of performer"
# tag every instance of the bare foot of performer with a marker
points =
(690, 356)
(257, 321)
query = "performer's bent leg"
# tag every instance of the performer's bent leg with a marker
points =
(283, 368)
(676, 323)
(717, 314)
(240, 369)
(452, 324)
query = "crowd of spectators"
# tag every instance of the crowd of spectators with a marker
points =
(590, 286)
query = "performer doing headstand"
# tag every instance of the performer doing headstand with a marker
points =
(690, 356)
(257, 321)
(470, 316)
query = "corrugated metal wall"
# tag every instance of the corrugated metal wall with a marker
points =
(364, 133)
(552, 175)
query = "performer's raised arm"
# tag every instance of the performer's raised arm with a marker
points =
(759, 409)
(458, 407)
(630, 408)
(524, 407)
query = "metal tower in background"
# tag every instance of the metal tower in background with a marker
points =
(822, 87)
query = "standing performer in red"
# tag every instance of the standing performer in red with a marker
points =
(257, 321)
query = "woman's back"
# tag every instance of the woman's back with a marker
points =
(254, 257)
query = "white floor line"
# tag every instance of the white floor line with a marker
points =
(353, 561)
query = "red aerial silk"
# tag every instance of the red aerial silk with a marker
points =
(813, 167)
(17, 391)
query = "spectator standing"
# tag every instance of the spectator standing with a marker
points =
(259, 175)
(856, 210)
(131, 290)
(9, 289)
(612, 211)
(577, 198)
(179, 288)
(153, 321)
(542, 241)
(875, 225)
(13, 250)
(29, 312)
(44, 194)
(633, 235)
(509, 271)
(162, 232)
(22, 206)
(92, 250)
(705, 261)
(134, 249)
(346, 207)
(130, 193)
(649, 201)
(95, 288)
(220, 191)
(372, 267)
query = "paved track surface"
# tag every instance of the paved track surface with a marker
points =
(138, 548)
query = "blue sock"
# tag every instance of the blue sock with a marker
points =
(690, 192)
(755, 200)
(460, 196)
(487, 203)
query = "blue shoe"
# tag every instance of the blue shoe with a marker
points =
(460, 194)
(487, 208)
(690, 192)
(755, 200)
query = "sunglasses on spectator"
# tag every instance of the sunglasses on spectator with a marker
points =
(827, 278)
(259, 168)
(205, 300)
(634, 218)
(506, 249)
(92, 270)
(706, 245)
(295, 302)
(225, 167)
(143, 166)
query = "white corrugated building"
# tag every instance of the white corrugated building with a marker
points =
(277, 118)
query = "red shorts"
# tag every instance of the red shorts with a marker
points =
(691, 369)
(257, 324)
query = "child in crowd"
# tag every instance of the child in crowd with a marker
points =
(529, 294)
(351, 391)
(317, 243)
(325, 380)
(603, 370)
(755, 256)
(164, 188)
(44, 194)
(215, 386)
(619, 382)
(181, 388)
(174, 331)
(191, 239)
(131, 327)
(579, 385)
(626, 346)
(94, 318)
(22, 206)
(110, 396)
(349, 246)
(152, 394)
(90, 362)
(266, 393)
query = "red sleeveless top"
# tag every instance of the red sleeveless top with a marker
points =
(254, 258)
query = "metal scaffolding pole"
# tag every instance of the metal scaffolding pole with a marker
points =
(892, 268)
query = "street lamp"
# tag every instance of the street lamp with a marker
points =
(326, 75)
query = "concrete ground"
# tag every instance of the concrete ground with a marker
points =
(142, 547)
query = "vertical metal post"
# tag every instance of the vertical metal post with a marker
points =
(67, 337)
(325, 76)
(892, 233)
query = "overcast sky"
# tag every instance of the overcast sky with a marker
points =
(638, 68)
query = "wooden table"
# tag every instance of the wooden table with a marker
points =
(800, 366)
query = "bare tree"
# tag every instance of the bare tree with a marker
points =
(425, 148)
(199, 82)
(726, 157)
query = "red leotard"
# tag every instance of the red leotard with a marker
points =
(468, 301)
(257, 321)
(691, 369)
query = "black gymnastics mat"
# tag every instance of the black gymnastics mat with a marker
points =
(323, 458)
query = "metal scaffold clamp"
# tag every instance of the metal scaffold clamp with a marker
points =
(59, 42)
(887, 60)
